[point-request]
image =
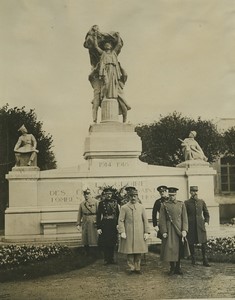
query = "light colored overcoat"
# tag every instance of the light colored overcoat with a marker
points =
(87, 214)
(133, 221)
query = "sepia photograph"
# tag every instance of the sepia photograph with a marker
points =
(117, 149)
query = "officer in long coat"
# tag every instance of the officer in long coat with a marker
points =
(198, 218)
(173, 224)
(107, 221)
(134, 229)
(163, 191)
(86, 220)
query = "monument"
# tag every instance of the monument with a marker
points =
(25, 149)
(44, 204)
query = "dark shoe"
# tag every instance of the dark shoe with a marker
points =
(206, 264)
(171, 272)
(193, 261)
(138, 272)
(131, 272)
(178, 272)
(112, 262)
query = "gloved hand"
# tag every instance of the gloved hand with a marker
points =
(206, 224)
(99, 231)
(146, 235)
(123, 235)
(165, 235)
(117, 227)
(156, 228)
(78, 227)
(184, 233)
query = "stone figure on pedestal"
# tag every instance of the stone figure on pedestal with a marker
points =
(107, 76)
(191, 148)
(25, 149)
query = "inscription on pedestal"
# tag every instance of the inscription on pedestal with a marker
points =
(112, 164)
(60, 194)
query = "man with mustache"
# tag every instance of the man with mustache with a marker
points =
(198, 220)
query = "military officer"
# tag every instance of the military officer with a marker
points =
(107, 221)
(173, 224)
(126, 198)
(134, 230)
(86, 220)
(163, 191)
(198, 218)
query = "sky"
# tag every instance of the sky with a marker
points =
(179, 56)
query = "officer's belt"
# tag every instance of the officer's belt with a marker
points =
(109, 217)
(89, 214)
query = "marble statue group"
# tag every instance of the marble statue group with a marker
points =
(107, 76)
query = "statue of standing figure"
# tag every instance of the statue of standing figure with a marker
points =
(191, 148)
(107, 76)
(25, 148)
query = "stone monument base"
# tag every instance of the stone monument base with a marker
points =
(44, 204)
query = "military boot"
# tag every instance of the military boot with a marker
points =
(204, 258)
(178, 269)
(193, 260)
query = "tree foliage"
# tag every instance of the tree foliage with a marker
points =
(161, 144)
(229, 140)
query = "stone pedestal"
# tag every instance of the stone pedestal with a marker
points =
(44, 204)
(109, 110)
(112, 140)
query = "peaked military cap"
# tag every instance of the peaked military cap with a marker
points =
(193, 188)
(172, 190)
(131, 190)
(86, 191)
(162, 188)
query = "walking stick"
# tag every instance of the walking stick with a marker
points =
(117, 246)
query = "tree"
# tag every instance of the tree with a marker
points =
(11, 119)
(229, 140)
(161, 144)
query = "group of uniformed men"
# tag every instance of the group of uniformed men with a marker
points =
(180, 225)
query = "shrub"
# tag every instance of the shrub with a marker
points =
(15, 255)
(220, 249)
(221, 245)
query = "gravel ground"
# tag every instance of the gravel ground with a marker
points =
(113, 282)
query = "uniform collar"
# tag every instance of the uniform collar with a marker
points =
(131, 205)
(171, 201)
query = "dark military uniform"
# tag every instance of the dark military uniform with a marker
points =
(173, 222)
(157, 206)
(107, 220)
(198, 215)
(156, 209)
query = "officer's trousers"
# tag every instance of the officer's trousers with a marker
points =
(133, 261)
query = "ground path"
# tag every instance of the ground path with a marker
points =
(97, 282)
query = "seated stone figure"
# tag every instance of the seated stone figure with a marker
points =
(25, 149)
(191, 148)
